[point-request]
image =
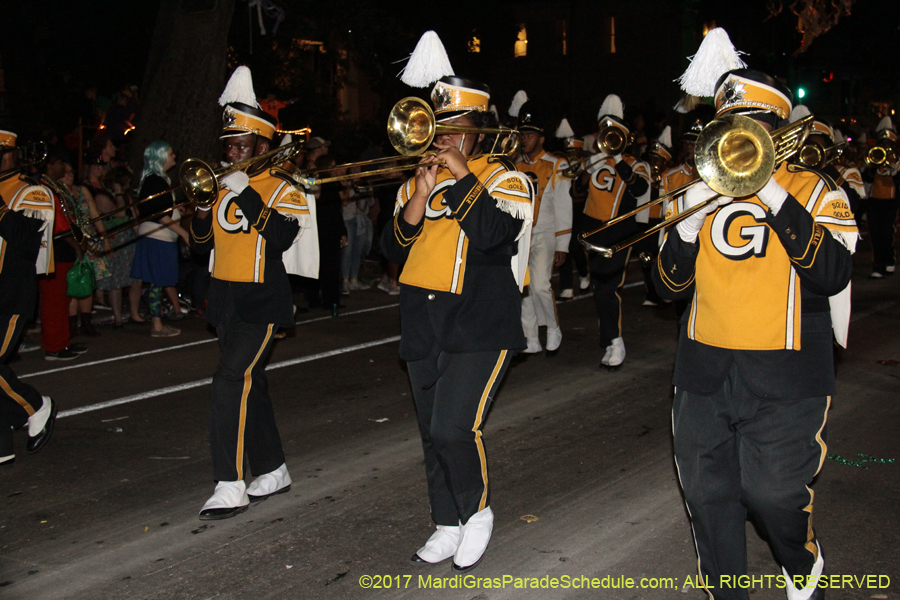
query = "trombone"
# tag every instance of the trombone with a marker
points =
(201, 182)
(734, 155)
(814, 156)
(29, 155)
(411, 129)
(880, 155)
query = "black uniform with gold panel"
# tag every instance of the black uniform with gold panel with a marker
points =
(754, 371)
(616, 182)
(883, 203)
(26, 224)
(462, 234)
(253, 228)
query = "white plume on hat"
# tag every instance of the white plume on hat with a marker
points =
(838, 136)
(665, 138)
(612, 105)
(564, 130)
(798, 112)
(518, 100)
(715, 57)
(687, 103)
(884, 124)
(239, 88)
(427, 63)
(493, 111)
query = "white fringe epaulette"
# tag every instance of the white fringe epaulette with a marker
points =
(665, 138)
(686, 104)
(846, 238)
(518, 209)
(427, 63)
(564, 130)
(715, 57)
(518, 100)
(883, 124)
(798, 112)
(612, 105)
(239, 88)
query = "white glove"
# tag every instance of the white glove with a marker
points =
(689, 228)
(618, 158)
(596, 161)
(772, 195)
(236, 182)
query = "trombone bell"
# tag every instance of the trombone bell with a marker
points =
(199, 182)
(734, 155)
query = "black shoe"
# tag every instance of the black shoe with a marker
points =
(64, 354)
(77, 348)
(40, 440)
(7, 461)
(458, 569)
(551, 353)
(217, 514)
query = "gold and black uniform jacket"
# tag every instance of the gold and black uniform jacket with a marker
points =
(614, 189)
(20, 242)
(759, 286)
(249, 233)
(458, 289)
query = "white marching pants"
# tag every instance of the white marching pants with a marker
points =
(538, 304)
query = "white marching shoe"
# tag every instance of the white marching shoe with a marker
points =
(475, 536)
(615, 354)
(270, 484)
(534, 346)
(566, 294)
(229, 500)
(584, 282)
(554, 340)
(440, 546)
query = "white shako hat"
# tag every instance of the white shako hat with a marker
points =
(612, 114)
(242, 113)
(662, 145)
(885, 130)
(819, 127)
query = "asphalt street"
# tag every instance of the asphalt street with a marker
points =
(584, 486)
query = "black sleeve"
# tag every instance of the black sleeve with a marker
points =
(161, 206)
(487, 227)
(398, 237)
(673, 272)
(276, 229)
(202, 233)
(823, 263)
(19, 231)
(636, 185)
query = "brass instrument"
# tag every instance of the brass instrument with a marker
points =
(575, 168)
(32, 154)
(412, 128)
(881, 155)
(734, 155)
(78, 225)
(814, 156)
(611, 140)
(201, 182)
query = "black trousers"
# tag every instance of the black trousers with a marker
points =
(882, 214)
(607, 276)
(18, 400)
(739, 456)
(453, 393)
(576, 251)
(241, 416)
(647, 250)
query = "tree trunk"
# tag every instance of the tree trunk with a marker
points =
(186, 73)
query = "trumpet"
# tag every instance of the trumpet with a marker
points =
(734, 155)
(412, 128)
(881, 155)
(201, 182)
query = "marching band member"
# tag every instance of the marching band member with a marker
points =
(254, 227)
(616, 182)
(551, 229)
(578, 194)
(26, 228)
(849, 177)
(658, 156)
(462, 230)
(882, 203)
(754, 371)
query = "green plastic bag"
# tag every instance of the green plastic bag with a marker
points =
(80, 279)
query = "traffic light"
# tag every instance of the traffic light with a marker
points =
(801, 93)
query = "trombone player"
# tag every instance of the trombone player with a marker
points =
(881, 205)
(754, 371)
(26, 228)
(616, 182)
(462, 231)
(253, 226)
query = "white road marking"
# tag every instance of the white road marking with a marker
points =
(201, 382)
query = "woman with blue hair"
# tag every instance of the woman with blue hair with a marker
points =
(156, 255)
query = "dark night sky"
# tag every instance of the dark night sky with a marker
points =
(53, 49)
